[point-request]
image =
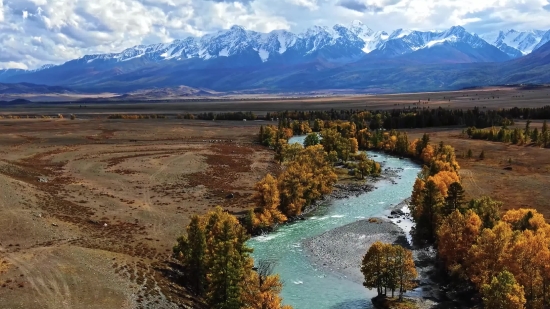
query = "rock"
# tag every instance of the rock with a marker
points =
(230, 195)
(54, 224)
(508, 168)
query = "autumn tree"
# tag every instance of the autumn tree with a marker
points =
(527, 260)
(503, 292)
(218, 264)
(267, 198)
(525, 219)
(372, 267)
(262, 288)
(455, 236)
(387, 266)
(405, 270)
(305, 179)
(488, 256)
(366, 167)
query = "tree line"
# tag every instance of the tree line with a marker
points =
(503, 257)
(516, 136)
(506, 258)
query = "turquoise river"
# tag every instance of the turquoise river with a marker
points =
(306, 286)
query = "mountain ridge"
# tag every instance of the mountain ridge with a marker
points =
(319, 58)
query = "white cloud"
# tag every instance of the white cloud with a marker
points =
(36, 32)
(15, 65)
(1, 11)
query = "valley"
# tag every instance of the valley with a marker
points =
(100, 202)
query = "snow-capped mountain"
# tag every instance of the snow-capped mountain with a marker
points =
(216, 57)
(516, 43)
(403, 41)
(543, 40)
(339, 43)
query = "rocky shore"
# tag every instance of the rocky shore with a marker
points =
(341, 250)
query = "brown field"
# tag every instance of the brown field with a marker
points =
(497, 97)
(90, 208)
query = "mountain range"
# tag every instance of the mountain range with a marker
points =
(343, 57)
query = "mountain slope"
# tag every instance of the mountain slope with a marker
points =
(25, 88)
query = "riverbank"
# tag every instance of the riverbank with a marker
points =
(341, 250)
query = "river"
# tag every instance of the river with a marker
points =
(306, 286)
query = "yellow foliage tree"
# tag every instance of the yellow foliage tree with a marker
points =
(443, 180)
(262, 288)
(503, 292)
(522, 219)
(427, 154)
(267, 199)
(456, 235)
(487, 257)
(305, 179)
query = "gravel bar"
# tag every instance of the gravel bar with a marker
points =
(341, 250)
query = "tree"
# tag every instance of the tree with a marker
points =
(305, 179)
(525, 219)
(406, 270)
(216, 257)
(226, 270)
(428, 216)
(503, 292)
(545, 134)
(191, 251)
(262, 288)
(311, 139)
(372, 267)
(488, 256)
(535, 136)
(387, 266)
(455, 236)
(267, 198)
(455, 198)
(487, 209)
(354, 145)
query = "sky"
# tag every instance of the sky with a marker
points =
(37, 32)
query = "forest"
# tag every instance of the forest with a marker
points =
(501, 258)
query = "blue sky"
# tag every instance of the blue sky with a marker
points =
(36, 32)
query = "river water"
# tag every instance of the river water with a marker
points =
(306, 286)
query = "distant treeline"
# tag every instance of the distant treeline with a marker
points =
(407, 118)
(390, 119)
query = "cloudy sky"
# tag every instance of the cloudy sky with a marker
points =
(37, 32)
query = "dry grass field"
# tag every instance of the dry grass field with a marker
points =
(90, 208)
(497, 97)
